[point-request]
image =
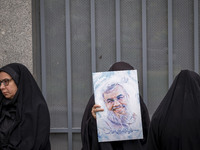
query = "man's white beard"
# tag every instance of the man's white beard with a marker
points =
(123, 120)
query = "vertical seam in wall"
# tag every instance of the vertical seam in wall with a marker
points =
(196, 37)
(69, 72)
(93, 35)
(144, 49)
(118, 42)
(170, 43)
(43, 48)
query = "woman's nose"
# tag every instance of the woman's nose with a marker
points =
(2, 86)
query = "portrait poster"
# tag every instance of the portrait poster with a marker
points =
(117, 92)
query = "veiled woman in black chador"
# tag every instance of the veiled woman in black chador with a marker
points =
(89, 126)
(176, 123)
(24, 116)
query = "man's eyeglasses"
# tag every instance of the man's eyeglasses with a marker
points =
(5, 82)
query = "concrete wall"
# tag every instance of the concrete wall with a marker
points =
(16, 32)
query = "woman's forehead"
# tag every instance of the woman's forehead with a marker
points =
(4, 75)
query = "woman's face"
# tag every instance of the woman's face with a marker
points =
(7, 85)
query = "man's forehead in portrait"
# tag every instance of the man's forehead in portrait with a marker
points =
(116, 90)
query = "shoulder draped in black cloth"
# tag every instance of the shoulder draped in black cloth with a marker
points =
(24, 120)
(175, 124)
(89, 127)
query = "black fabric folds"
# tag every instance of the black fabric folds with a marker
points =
(89, 127)
(24, 120)
(175, 124)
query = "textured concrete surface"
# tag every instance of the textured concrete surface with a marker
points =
(16, 32)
